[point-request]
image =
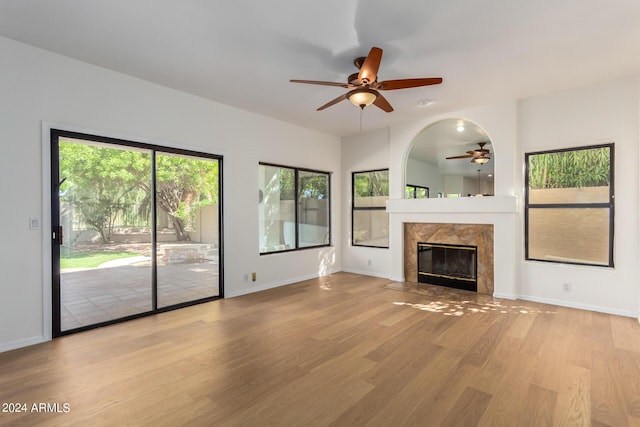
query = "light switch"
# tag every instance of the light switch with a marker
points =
(34, 223)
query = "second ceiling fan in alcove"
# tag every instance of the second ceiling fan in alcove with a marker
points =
(480, 155)
(365, 86)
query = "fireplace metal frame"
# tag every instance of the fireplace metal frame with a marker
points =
(469, 284)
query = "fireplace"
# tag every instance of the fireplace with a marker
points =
(454, 266)
(478, 235)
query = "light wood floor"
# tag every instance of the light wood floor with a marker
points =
(341, 350)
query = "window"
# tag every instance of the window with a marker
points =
(294, 208)
(369, 219)
(570, 205)
(416, 192)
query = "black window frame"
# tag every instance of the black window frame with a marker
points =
(355, 208)
(296, 192)
(415, 189)
(610, 204)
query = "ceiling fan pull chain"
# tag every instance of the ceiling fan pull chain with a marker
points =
(361, 112)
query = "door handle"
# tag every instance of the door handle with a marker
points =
(60, 241)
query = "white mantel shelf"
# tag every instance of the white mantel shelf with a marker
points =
(486, 204)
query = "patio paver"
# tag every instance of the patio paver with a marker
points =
(102, 294)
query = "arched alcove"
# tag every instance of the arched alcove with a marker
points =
(429, 172)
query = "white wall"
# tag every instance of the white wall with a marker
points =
(362, 152)
(424, 174)
(602, 113)
(38, 86)
(453, 184)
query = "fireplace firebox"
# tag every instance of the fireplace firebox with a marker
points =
(453, 266)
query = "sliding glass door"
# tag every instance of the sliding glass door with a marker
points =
(136, 229)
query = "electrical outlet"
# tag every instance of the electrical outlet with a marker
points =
(566, 287)
(253, 276)
(369, 262)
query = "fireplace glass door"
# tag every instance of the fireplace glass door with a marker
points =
(448, 265)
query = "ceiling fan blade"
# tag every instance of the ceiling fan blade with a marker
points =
(369, 70)
(407, 83)
(332, 102)
(382, 103)
(467, 156)
(315, 82)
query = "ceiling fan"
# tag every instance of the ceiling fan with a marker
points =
(480, 155)
(365, 86)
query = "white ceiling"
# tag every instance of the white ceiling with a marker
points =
(243, 52)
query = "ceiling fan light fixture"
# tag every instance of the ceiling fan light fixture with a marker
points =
(362, 97)
(481, 160)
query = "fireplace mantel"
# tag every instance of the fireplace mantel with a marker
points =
(500, 211)
(468, 205)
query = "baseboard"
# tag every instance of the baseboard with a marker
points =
(504, 296)
(588, 307)
(366, 273)
(267, 286)
(21, 343)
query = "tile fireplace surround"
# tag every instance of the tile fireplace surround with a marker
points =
(480, 235)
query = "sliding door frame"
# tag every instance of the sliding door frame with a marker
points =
(55, 133)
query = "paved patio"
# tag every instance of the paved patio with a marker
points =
(102, 294)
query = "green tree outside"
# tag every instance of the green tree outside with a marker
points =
(570, 169)
(111, 187)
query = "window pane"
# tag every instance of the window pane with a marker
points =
(276, 209)
(105, 273)
(422, 193)
(313, 214)
(410, 192)
(569, 195)
(371, 228)
(371, 189)
(187, 228)
(579, 235)
(413, 192)
(576, 176)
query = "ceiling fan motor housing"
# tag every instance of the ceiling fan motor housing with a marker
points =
(359, 61)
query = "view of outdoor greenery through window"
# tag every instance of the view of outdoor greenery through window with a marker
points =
(570, 205)
(106, 203)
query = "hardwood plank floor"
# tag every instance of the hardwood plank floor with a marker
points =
(341, 350)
